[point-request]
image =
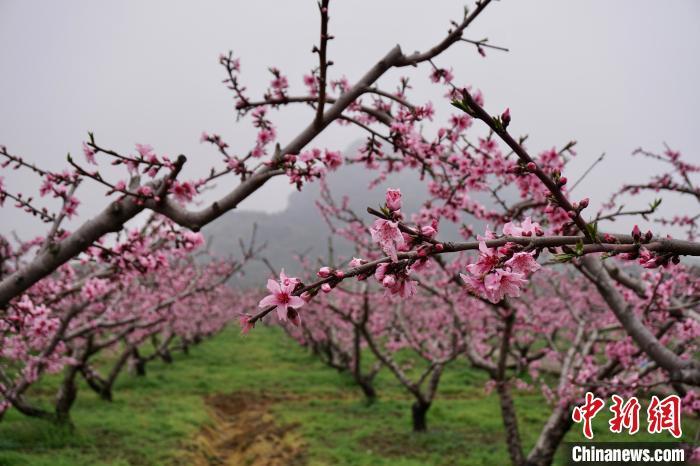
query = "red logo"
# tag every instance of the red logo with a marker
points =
(662, 415)
(587, 412)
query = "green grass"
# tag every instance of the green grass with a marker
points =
(153, 419)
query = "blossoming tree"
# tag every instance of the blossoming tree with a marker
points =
(493, 285)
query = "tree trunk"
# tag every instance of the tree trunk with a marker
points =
(162, 348)
(166, 356)
(368, 390)
(66, 395)
(419, 415)
(550, 438)
(97, 383)
(510, 423)
(103, 386)
(139, 362)
(114, 373)
(365, 382)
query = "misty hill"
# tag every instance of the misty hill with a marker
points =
(301, 228)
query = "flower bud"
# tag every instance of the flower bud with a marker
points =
(389, 281)
(505, 118)
(393, 199)
(636, 234)
(439, 247)
(563, 181)
(584, 203)
(356, 262)
(648, 236)
(531, 166)
(324, 272)
(326, 288)
(339, 274)
(427, 231)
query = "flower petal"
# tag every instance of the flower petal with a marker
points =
(296, 302)
(282, 312)
(272, 286)
(269, 300)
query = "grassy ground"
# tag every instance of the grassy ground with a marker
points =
(170, 416)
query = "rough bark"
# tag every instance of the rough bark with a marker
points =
(550, 438)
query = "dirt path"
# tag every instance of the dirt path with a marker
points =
(245, 433)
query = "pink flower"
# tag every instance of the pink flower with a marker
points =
(473, 284)
(380, 272)
(279, 84)
(647, 259)
(145, 191)
(527, 228)
(311, 83)
(502, 283)
(523, 262)
(428, 231)
(399, 285)
(183, 192)
(281, 297)
(285, 280)
(488, 259)
(144, 150)
(266, 135)
(71, 206)
(441, 73)
(332, 159)
(355, 262)
(93, 288)
(509, 229)
(407, 288)
(388, 235)
(192, 240)
(393, 199)
(388, 281)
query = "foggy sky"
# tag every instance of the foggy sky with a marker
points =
(612, 75)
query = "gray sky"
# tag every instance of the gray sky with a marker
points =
(612, 75)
